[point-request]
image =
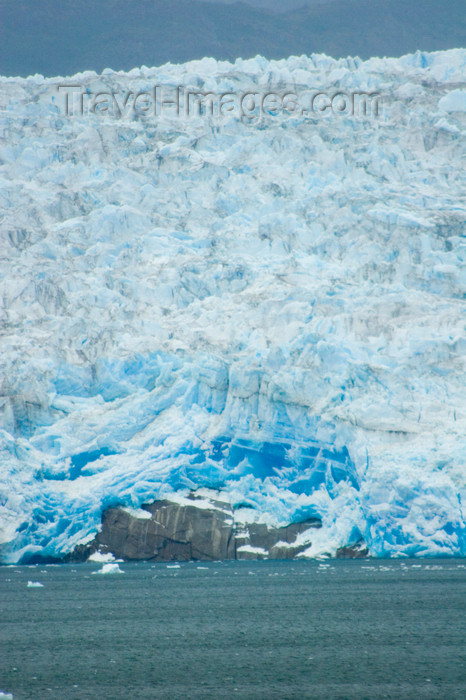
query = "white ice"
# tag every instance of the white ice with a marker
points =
(101, 557)
(248, 548)
(270, 307)
(109, 569)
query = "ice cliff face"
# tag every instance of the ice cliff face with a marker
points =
(269, 306)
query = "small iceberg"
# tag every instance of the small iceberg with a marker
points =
(109, 569)
(33, 584)
(7, 696)
(101, 557)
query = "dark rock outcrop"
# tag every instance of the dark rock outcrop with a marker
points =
(202, 530)
(356, 550)
(174, 532)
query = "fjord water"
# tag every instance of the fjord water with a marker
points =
(271, 630)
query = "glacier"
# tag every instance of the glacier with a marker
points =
(270, 307)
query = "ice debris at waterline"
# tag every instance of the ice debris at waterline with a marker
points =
(270, 306)
(101, 557)
(109, 569)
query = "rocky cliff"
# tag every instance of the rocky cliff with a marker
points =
(199, 528)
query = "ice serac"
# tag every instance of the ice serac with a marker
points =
(271, 307)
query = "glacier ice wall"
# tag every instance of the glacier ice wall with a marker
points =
(273, 307)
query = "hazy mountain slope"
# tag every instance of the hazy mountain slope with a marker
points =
(60, 38)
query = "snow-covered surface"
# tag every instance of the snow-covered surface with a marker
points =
(271, 307)
(139, 513)
(109, 569)
(201, 503)
(250, 549)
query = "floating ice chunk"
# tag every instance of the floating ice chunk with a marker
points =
(6, 696)
(35, 584)
(109, 569)
(173, 566)
(101, 557)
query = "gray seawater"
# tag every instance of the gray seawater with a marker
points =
(271, 630)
